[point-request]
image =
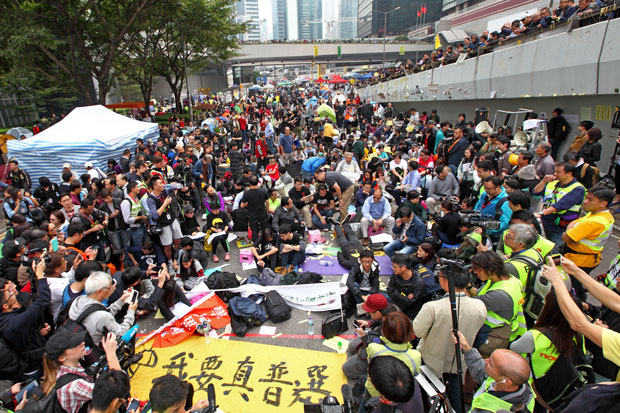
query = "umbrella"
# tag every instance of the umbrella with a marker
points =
(365, 76)
(325, 111)
(223, 119)
(17, 132)
(268, 86)
(311, 102)
(324, 88)
(210, 123)
(320, 80)
(255, 87)
(3, 140)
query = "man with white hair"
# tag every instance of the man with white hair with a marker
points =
(348, 165)
(94, 316)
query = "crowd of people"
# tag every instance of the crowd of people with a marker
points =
(585, 11)
(95, 252)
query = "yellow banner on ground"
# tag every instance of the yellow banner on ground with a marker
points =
(248, 377)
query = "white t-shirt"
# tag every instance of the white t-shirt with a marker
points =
(402, 165)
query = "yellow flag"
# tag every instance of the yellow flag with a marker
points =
(437, 42)
(316, 51)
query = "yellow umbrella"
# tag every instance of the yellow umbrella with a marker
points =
(3, 139)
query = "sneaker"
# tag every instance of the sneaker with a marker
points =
(227, 257)
(216, 258)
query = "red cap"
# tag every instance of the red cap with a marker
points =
(375, 302)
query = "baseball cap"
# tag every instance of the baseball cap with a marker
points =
(11, 248)
(63, 339)
(188, 209)
(88, 164)
(66, 165)
(375, 302)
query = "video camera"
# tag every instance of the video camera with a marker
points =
(330, 403)
(125, 352)
(477, 219)
(453, 265)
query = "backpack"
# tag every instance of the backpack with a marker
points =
(277, 308)
(11, 366)
(595, 172)
(563, 129)
(333, 325)
(247, 309)
(290, 279)
(536, 289)
(222, 281)
(41, 403)
(76, 326)
(593, 398)
(269, 277)
(309, 278)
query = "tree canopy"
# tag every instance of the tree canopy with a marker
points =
(80, 47)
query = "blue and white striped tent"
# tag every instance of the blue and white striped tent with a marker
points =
(90, 133)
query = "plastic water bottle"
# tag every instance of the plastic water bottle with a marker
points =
(326, 263)
(310, 326)
(339, 346)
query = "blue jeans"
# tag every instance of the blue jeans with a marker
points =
(306, 174)
(397, 246)
(327, 213)
(293, 258)
(137, 235)
(119, 239)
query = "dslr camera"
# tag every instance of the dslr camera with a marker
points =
(484, 221)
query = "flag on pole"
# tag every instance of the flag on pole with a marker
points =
(402, 51)
(424, 9)
(419, 13)
(316, 51)
(437, 42)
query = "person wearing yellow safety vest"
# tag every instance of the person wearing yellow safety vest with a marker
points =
(503, 378)
(552, 347)
(542, 245)
(502, 296)
(610, 279)
(584, 238)
(520, 238)
(134, 214)
(562, 197)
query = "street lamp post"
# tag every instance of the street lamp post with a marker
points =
(385, 14)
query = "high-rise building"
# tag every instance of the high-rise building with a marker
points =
(309, 19)
(374, 14)
(347, 19)
(247, 11)
(280, 19)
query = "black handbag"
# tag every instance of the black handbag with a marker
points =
(155, 230)
(334, 324)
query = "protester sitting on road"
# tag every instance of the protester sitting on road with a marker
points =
(265, 250)
(363, 280)
(323, 208)
(409, 231)
(292, 248)
(405, 288)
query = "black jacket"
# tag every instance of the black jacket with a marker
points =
(20, 328)
(8, 269)
(355, 276)
(398, 290)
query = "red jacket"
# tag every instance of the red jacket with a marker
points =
(260, 149)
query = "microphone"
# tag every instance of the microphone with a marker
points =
(347, 398)
(126, 338)
(212, 408)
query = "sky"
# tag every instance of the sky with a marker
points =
(330, 12)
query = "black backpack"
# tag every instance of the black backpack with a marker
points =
(593, 398)
(277, 309)
(562, 129)
(11, 366)
(76, 326)
(41, 403)
(221, 281)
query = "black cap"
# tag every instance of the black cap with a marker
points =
(63, 339)
(12, 247)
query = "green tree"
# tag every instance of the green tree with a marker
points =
(200, 32)
(79, 39)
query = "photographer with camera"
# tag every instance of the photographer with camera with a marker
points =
(503, 379)
(494, 203)
(22, 328)
(134, 214)
(434, 326)
(502, 296)
(63, 373)
(521, 238)
(94, 222)
(161, 212)
(110, 392)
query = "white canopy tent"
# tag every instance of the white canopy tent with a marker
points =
(90, 133)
